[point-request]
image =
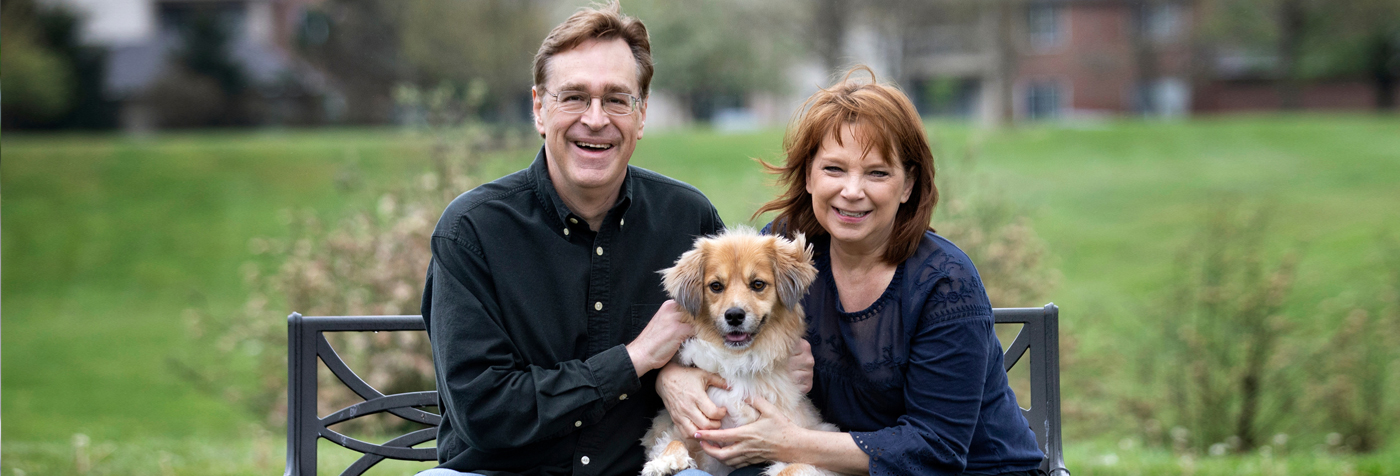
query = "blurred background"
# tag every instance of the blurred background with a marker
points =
(1207, 188)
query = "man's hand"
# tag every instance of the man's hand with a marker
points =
(800, 365)
(684, 390)
(659, 340)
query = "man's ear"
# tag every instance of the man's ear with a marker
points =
(641, 118)
(684, 281)
(537, 105)
(792, 264)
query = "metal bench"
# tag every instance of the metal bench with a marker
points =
(306, 343)
(1040, 339)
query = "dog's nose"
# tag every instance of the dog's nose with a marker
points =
(734, 316)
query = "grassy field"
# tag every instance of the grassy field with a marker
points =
(108, 240)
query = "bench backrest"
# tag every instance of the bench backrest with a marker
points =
(1040, 340)
(306, 343)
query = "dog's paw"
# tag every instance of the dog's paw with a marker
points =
(672, 460)
(668, 465)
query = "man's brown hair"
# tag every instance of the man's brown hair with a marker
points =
(598, 23)
(886, 120)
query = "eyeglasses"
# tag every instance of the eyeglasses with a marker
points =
(614, 104)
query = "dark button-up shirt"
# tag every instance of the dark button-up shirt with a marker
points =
(528, 311)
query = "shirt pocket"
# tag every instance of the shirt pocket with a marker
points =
(639, 316)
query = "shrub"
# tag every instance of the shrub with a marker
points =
(1352, 374)
(371, 262)
(996, 234)
(1220, 359)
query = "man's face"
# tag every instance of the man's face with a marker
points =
(589, 150)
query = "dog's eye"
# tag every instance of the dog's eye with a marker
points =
(757, 285)
(716, 287)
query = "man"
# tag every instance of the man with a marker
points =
(543, 302)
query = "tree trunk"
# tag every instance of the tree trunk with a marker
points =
(1003, 114)
(1145, 54)
(831, 19)
(1383, 53)
(1291, 25)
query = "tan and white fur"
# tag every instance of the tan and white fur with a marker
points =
(742, 292)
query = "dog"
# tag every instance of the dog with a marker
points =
(742, 292)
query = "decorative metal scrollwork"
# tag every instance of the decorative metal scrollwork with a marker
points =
(403, 405)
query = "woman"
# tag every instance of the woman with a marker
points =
(906, 361)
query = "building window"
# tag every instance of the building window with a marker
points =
(1043, 100)
(1161, 21)
(1164, 97)
(1043, 26)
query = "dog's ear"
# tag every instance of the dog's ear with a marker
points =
(792, 263)
(684, 280)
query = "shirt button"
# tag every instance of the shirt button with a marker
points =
(622, 222)
(578, 424)
(573, 220)
(566, 232)
(622, 397)
(583, 460)
(598, 306)
(600, 251)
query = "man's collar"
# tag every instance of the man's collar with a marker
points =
(539, 170)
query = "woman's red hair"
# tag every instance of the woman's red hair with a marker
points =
(884, 118)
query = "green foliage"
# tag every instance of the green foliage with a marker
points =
(51, 79)
(38, 83)
(1335, 39)
(1219, 357)
(489, 41)
(713, 53)
(977, 215)
(367, 262)
(207, 50)
(37, 78)
(1352, 376)
(108, 241)
(356, 42)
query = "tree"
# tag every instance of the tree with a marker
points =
(830, 20)
(356, 42)
(1314, 39)
(204, 86)
(1222, 345)
(51, 80)
(712, 53)
(37, 82)
(493, 41)
(1373, 30)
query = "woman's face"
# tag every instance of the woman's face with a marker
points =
(855, 196)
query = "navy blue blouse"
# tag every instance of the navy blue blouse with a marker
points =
(917, 377)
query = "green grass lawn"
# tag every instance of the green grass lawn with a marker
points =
(108, 240)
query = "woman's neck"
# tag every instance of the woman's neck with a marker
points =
(861, 275)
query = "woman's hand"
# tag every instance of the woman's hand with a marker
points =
(769, 438)
(684, 392)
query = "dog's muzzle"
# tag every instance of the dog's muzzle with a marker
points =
(738, 330)
(734, 317)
